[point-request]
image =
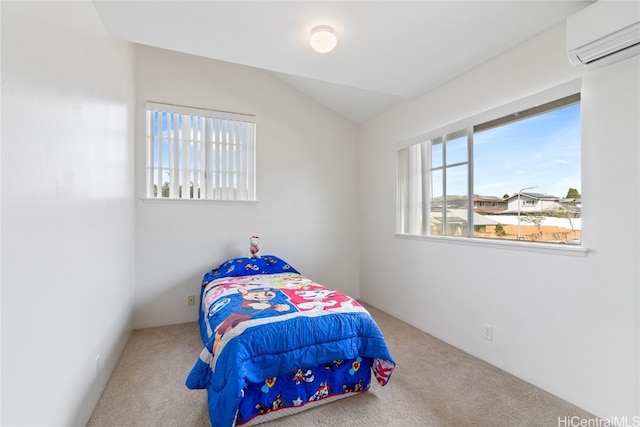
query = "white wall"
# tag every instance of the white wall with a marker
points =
(306, 185)
(573, 329)
(67, 210)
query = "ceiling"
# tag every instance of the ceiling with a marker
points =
(387, 52)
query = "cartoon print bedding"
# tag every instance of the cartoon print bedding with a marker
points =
(275, 340)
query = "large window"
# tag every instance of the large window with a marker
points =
(199, 154)
(514, 177)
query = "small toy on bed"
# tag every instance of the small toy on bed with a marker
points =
(253, 247)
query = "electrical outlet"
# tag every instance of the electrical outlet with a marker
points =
(97, 365)
(191, 300)
(487, 331)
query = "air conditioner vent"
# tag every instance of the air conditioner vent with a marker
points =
(610, 45)
(603, 33)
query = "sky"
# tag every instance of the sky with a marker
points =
(542, 151)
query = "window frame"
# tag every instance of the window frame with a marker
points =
(208, 165)
(491, 117)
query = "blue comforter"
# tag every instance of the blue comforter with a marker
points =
(260, 318)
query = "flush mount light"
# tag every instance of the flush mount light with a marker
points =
(323, 38)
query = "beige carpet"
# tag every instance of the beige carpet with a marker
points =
(433, 384)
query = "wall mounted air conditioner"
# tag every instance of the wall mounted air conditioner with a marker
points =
(603, 32)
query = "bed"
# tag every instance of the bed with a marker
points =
(277, 343)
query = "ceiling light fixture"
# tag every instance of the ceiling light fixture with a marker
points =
(323, 38)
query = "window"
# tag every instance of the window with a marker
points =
(514, 177)
(199, 154)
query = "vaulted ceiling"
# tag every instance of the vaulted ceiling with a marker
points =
(387, 52)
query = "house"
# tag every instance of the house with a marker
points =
(532, 202)
(85, 260)
(487, 205)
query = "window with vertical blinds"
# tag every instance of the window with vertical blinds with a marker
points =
(199, 154)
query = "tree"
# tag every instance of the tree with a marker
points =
(565, 211)
(573, 194)
(534, 218)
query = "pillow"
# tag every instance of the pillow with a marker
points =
(267, 264)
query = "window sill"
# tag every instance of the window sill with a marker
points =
(546, 248)
(162, 200)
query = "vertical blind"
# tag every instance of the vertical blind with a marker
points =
(427, 173)
(411, 189)
(199, 154)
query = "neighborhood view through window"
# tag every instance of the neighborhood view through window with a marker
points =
(514, 178)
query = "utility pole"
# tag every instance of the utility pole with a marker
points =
(519, 192)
